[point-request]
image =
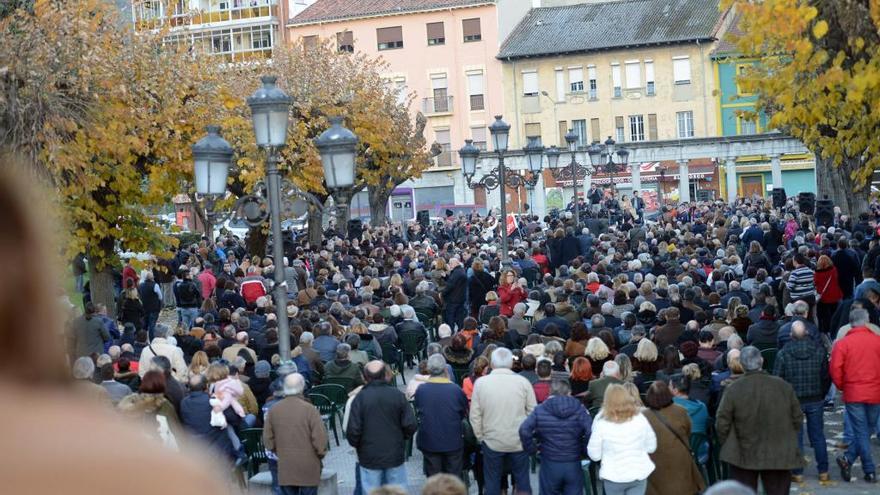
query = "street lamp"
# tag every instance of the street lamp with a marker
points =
(499, 176)
(574, 171)
(602, 158)
(212, 157)
(338, 148)
(533, 152)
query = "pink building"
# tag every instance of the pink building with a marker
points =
(443, 52)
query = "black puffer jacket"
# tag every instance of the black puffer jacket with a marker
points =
(560, 428)
(380, 422)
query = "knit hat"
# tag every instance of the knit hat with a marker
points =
(262, 369)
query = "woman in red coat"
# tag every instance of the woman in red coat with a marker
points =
(510, 292)
(828, 290)
(541, 259)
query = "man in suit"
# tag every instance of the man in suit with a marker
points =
(596, 392)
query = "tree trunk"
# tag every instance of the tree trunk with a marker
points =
(101, 287)
(378, 205)
(316, 227)
(836, 184)
(256, 241)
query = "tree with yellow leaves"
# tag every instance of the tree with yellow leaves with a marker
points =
(819, 80)
(107, 117)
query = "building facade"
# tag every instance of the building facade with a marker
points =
(441, 53)
(633, 71)
(231, 30)
(737, 116)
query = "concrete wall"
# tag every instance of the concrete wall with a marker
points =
(670, 98)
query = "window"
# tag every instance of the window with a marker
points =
(478, 135)
(637, 127)
(747, 126)
(741, 70)
(594, 87)
(471, 30)
(475, 90)
(633, 74)
(441, 137)
(681, 70)
(533, 130)
(345, 41)
(260, 40)
(615, 80)
(576, 79)
(580, 128)
(685, 122)
(400, 88)
(563, 130)
(618, 129)
(594, 129)
(441, 97)
(652, 126)
(389, 38)
(436, 33)
(560, 85)
(649, 78)
(310, 42)
(530, 83)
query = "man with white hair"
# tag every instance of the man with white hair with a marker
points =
(294, 432)
(596, 391)
(85, 386)
(501, 401)
(241, 342)
(758, 422)
(442, 406)
(422, 302)
(161, 346)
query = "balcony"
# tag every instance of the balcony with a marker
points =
(436, 106)
(155, 17)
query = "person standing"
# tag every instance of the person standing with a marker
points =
(188, 298)
(560, 429)
(441, 406)
(804, 364)
(151, 299)
(501, 401)
(757, 423)
(380, 421)
(295, 433)
(454, 295)
(855, 370)
(88, 334)
(801, 282)
(207, 281)
(510, 293)
(622, 440)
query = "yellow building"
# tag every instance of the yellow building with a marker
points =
(637, 70)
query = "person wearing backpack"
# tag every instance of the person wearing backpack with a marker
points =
(189, 299)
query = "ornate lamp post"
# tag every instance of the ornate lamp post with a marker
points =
(532, 153)
(212, 157)
(574, 171)
(338, 148)
(499, 176)
(602, 158)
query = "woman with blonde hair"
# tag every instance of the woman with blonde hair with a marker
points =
(622, 439)
(598, 353)
(625, 366)
(198, 365)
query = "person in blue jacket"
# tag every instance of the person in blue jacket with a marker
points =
(559, 429)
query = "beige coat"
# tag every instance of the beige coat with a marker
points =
(163, 348)
(295, 432)
(500, 403)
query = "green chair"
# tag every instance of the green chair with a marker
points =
(430, 323)
(395, 364)
(252, 439)
(413, 345)
(590, 478)
(346, 383)
(328, 412)
(769, 356)
(337, 393)
(460, 372)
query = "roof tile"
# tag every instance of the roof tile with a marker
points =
(618, 24)
(332, 10)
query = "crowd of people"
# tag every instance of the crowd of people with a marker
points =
(644, 354)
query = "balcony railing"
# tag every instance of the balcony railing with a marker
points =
(152, 19)
(437, 105)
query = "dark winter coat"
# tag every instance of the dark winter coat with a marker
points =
(380, 422)
(675, 472)
(442, 406)
(456, 286)
(804, 364)
(559, 428)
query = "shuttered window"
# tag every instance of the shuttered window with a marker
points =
(681, 70)
(345, 41)
(652, 126)
(530, 83)
(389, 38)
(594, 129)
(436, 33)
(633, 74)
(471, 30)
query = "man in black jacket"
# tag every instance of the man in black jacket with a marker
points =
(454, 295)
(195, 416)
(380, 422)
(151, 297)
